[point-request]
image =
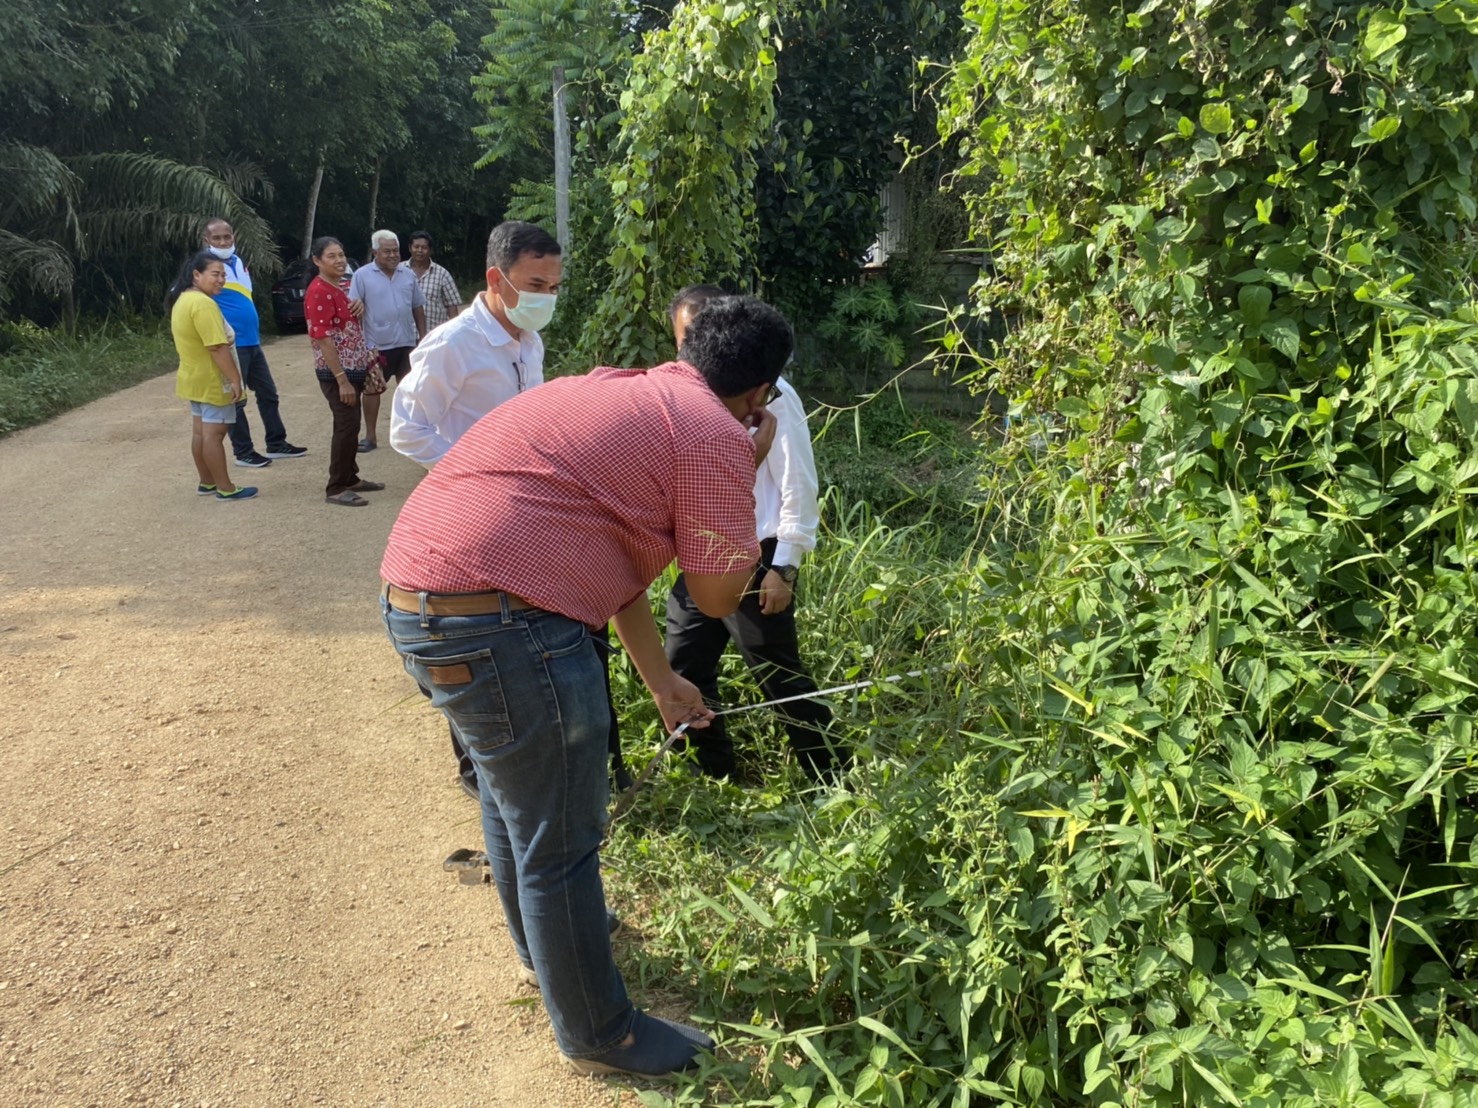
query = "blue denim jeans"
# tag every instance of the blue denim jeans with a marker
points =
(525, 692)
(258, 377)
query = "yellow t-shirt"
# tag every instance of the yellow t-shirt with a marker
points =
(197, 324)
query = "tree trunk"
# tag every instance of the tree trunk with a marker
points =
(312, 208)
(374, 196)
(561, 162)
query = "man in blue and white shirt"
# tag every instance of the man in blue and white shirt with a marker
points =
(236, 305)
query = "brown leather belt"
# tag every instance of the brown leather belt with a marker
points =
(454, 604)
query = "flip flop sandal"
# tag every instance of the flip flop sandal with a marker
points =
(367, 486)
(470, 866)
(348, 500)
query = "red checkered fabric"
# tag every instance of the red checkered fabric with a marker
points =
(575, 495)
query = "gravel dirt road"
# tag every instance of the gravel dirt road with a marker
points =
(222, 809)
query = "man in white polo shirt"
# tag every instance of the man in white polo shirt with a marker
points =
(394, 318)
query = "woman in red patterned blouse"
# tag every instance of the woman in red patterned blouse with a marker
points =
(341, 359)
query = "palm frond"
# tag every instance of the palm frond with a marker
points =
(41, 265)
(143, 201)
(245, 178)
(36, 185)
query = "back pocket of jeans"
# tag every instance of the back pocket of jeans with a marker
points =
(466, 686)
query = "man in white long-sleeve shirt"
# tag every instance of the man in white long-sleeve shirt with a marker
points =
(475, 361)
(786, 518)
(490, 353)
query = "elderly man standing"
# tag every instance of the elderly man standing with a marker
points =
(236, 305)
(394, 318)
(551, 516)
(442, 298)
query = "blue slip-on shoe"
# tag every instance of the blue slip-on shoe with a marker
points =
(660, 1046)
(203, 489)
(241, 492)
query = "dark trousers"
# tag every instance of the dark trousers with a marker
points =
(343, 451)
(769, 647)
(258, 378)
(613, 737)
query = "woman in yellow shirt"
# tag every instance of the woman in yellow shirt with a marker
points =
(209, 377)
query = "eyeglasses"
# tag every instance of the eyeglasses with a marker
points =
(773, 395)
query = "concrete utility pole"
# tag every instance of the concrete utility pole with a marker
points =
(561, 162)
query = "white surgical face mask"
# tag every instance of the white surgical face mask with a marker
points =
(225, 253)
(534, 309)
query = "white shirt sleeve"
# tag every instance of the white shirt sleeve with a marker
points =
(422, 401)
(792, 465)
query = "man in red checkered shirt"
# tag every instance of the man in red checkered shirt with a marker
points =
(552, 516)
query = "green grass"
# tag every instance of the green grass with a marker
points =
(44, 373)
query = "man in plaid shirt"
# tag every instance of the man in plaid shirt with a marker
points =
(442, 298)
(550, 517)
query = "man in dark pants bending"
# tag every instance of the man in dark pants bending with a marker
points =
(764, 626)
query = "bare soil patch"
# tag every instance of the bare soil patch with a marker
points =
(222, 809)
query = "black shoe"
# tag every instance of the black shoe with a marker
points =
(253, 461)
(660, 1046)
(613, 923)
(286, 450)
(469, 786)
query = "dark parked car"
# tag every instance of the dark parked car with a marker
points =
(287, 294)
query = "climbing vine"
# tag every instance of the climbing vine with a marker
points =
(696, 107)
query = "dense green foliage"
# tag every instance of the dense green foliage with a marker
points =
(694, 110)
(849, 92)
(1192, 820)
(766, 176)
(127, 126)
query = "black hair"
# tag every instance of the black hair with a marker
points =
(421, 235)
(513, 239)
(320, 244)
(211, 222)
(737, 343)
(196, 263)
(692, 297)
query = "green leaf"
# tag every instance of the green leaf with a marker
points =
(1254, 302)
(1384, 128)
(1384, 32)
(1216, 118)
(882, 1029)
(1284, 336)
(751, 905)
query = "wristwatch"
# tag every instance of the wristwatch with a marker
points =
(788, 574)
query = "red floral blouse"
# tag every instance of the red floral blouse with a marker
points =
(327, 311)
